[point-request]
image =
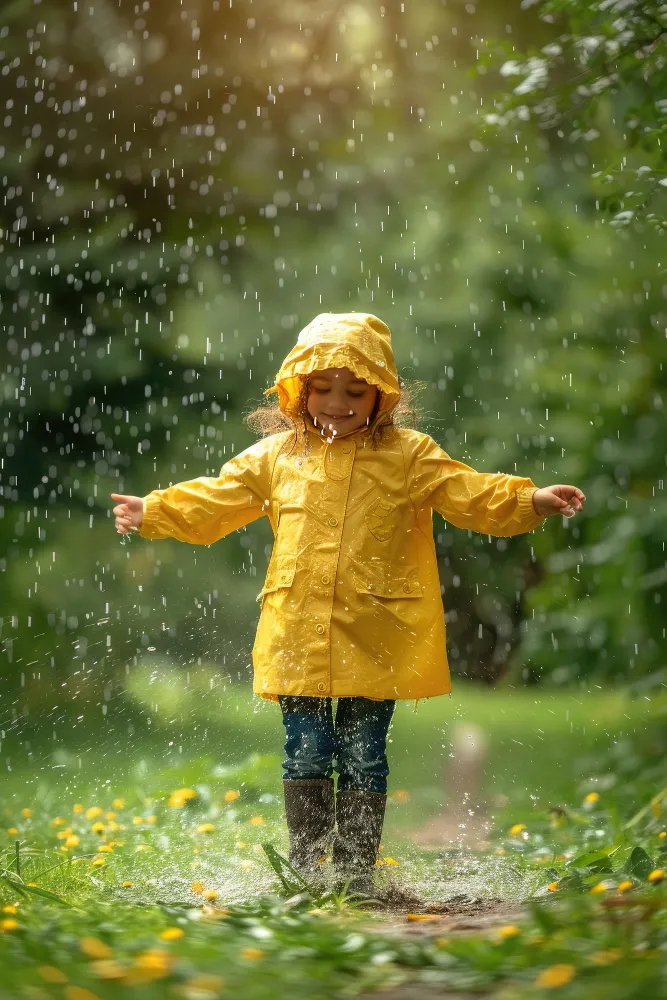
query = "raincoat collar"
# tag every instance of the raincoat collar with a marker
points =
(358, 341)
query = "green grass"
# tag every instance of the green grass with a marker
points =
(544, 753)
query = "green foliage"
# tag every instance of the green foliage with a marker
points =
(603, 66)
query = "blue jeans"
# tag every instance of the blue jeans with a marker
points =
(355, 744)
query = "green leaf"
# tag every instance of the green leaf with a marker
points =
(639, 864)
(280, 865)
(35, 890)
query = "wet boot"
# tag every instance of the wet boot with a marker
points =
(359, 821)
(309, 811)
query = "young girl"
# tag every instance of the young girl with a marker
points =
(351, 606)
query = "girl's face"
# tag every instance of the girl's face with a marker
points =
(338, 401)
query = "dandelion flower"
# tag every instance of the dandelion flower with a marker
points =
(553, 887)
(600, 887)
(26, 813)
(203, 986)
(198, 887)
(98, 863)
(606, 957)
(172, 934)
(510, 930)
(662, 834)
(209, 894)
(137, 820)
(656, 875)
(516, 829)
(257, 820)
(56, 821)
(556, 975)
(9, 924)
(252, 953)
(9, 909)
(591, 798)
(154, 961)
(93, 812)
(126, 884)
(118, 803)
(181, 796)
(71, 841)
(107, 968)
(624, 885)
(205, 828)
(151, 820)
(231, 796)
(50, 974)
(105, 849)
(80, 993)
(77, 808)
(92, 947)
(12, 831)
(97, 827)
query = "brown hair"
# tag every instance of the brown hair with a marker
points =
(268, 418)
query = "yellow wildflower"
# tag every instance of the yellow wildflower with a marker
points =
(600, 887)
(624, 885)
(151, 820)
(231, 796)
(508, 931)
(10, 908)
(50, 974)
(252, 953)
(245, 864)
(409, 916)
(108, 968)
(390, 861)
(198, 887)
(553, 887)
(137, 820)
(656, 875)
(97, 827)
(209, 894)
(181, 796)
(556, 975)
(98, 863)
(77, 808)
(257, 820)
(105, 849)
(172, 934)
(240, 844)
(56, 821)
(79, 993)
(12, 831)
(71, 841)
(203, 987)
(94, 948)
(205, 828)
(400, 796)
(110, 815)
(591, 798)
(118, 803)
(516, 829)
(126, 885)
(8, 924)
(26, 813)
(606, 957)
(93, 812)
(154, 961)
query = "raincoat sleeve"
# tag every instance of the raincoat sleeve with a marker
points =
(203, 510)
(491, 503)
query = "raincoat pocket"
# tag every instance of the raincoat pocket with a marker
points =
(393, 587)
(382, 519)
(279, 575)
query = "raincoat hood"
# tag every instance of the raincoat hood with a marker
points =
(358, 341)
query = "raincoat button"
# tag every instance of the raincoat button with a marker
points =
(319, 628)
(321, 687)
(333, 521)
(347, 449)
(407, 588)
(326, 579)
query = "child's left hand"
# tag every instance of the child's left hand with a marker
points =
(565, 500)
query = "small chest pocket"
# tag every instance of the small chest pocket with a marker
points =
(388, 585)
(382, 518)
(279, 575)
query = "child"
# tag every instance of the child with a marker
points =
(351, 606)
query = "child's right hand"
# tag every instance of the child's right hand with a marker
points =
(129, 512)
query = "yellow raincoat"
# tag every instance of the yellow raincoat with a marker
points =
(351, 604)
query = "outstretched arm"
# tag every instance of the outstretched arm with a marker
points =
(490, 503)
(203, 510)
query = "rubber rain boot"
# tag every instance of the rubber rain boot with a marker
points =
(309, 811)
(359, 821)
